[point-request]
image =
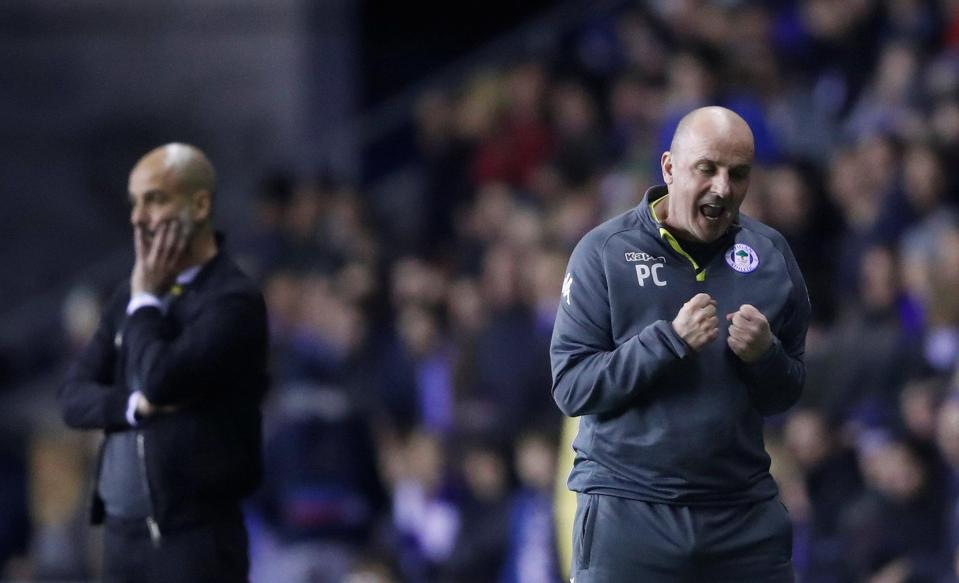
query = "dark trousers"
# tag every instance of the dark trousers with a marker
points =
(617, 539)
(206, 553)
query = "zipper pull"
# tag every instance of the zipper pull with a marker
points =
(155, 535)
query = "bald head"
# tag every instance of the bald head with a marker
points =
(185, 165)
(710, 123)
(174, 184)
(706, 172)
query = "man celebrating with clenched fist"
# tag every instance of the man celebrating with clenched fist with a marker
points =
(682, 324)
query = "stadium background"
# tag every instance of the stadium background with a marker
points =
(407, 184)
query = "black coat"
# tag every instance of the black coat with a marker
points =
(207, 356)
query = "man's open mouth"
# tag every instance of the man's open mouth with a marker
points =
(711, 211)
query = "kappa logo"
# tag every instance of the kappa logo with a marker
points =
(644, 271)
(643, 256)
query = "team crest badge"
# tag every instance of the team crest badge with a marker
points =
(742, 258)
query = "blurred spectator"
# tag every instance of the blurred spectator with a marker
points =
(479, 550)
(510, 375)
(947, 440)
(80, 316)
(444, 156)
(898, 526)
(580, 148)
(919, 403)
(887, 104)
(531, 552)
(322, 497)
(869, 353)
(635, 105)
(519, 139)
(858, 206)
(925, 185)
(941, 341)
(913, 19)
(425, 519)
(831, 482)
(61, 544)
(794, 206)
(427, 363)
(327, 331)
(267, 244)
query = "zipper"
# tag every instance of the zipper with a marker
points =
(700, 271)
(668, 237)
(156, 537)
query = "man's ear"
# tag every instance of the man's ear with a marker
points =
(666, 163)
(202, 202)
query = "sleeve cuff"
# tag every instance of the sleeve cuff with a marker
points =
(671, 339)
(772, 355)
(142, 300)
(132, 408)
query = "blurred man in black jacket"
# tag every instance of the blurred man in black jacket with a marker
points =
(174, 376)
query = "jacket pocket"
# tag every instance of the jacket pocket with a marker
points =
(584, 530)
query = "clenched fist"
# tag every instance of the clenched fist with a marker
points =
(749, 333)
(696, 323)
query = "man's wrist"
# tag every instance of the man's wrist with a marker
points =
(142, 300)
(767, 355)
(131, 413)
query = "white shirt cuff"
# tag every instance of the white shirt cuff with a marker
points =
(141, 300)
(132, 408)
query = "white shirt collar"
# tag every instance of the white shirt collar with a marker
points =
(188, 275)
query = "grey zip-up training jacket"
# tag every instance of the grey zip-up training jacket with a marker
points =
(661, 422)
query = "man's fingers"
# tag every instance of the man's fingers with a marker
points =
(139, 242)
(736, 319)
(744, 322)
(738, 334)
(697, 322)
(173, 246)
(747, 312)
(159, 241)
(170, 245)
(735, 344)
(750, 312)
(700, 300)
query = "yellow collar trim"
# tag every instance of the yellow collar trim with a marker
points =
(674, 243)
(652, 207)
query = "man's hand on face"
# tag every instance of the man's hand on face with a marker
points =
(158, 260)
(696, 323)
(749, 333)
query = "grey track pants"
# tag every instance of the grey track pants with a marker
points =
(622, 540)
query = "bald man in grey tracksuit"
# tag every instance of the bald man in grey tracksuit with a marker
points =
(681, 325)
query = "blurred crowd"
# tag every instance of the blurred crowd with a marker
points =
(410, 434)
